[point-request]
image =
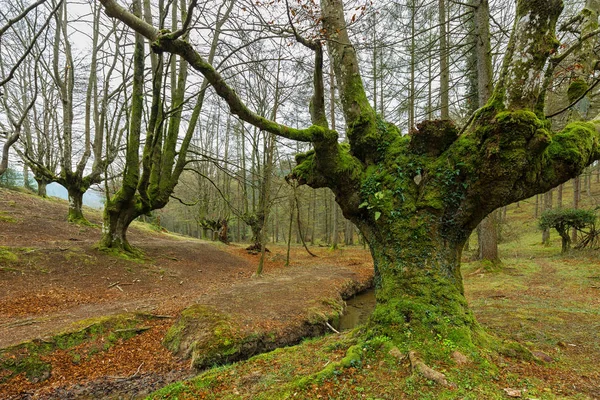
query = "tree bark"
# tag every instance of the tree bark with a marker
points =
(41, 187)
(405, 267)
(488, 239)
(576, 198)
(75, 194)
(488, 229)
(117, 218)
(547, 206)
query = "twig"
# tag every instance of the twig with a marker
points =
(331, 327)
(135, 330)
(124, 378)
(138, 370)
(113, 285)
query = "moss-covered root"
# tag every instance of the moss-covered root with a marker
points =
(127, 252)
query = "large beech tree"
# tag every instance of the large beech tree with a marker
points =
(417, 197)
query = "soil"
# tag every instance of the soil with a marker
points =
(51, 275)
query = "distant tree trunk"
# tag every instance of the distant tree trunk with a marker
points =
(348, 233)
(26, 183)
(588, 181)
(488, 238)
(42, 184)
(313, 219)
(488, 229)
(75, 193)
(559, 196)
(576, 198)
(547, 206)
(411, 93)
(444, 70)
(291, 223)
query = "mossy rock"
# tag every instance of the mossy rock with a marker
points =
(206, 336)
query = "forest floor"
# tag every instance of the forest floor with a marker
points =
(52, 278)
(540, 298)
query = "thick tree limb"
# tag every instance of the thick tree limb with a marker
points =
(165, 42)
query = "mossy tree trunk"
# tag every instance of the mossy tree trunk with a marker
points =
(117, 218)
(75, 194)
(148, 183)
(42, 185)
(417, 198)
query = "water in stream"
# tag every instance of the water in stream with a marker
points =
(358, 310)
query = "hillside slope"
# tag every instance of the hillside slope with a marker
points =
(117, 311)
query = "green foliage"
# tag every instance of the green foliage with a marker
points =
(563, 219)
(10, 179)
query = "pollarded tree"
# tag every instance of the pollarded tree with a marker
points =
(417, 198)
(148, 181)
(565, 219)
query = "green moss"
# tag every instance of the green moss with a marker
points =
(129, 254)
(79, 219)
(6, 255)
(576, 89)
(575, 144)
(208, 335)
(7, 218)
(514, 350)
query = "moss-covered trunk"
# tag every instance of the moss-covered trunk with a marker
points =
(76, 204)
(419, 288)
(42, 185)
(117, 218)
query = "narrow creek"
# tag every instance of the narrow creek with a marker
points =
(358, 310)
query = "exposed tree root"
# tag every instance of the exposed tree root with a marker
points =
(419, 366)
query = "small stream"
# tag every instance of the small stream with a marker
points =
(358, 310)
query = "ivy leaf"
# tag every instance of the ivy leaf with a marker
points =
(377, 215)
(363, 204)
